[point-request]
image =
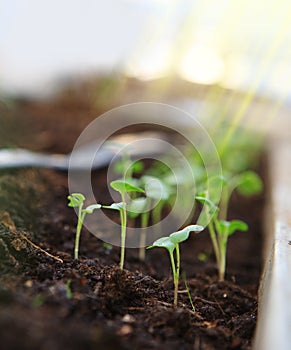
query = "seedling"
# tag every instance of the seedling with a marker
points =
(141, 206)
(123, 187)
(157, 193)
(247, 183)
(181, 181)
(219, 231)
(171, 243)
(178, 179)
(76, 200)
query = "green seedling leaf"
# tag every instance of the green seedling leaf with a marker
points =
(219, 179)
(163, 242)
(237, 225)
(182, 235)
(124, 187)
(133, 182)
(194, 228)
(250, 183)
(179, 236)
(107, 246)
(137, 167)
(137, 206)
(231, 226)
(75, 200)
(155, 188)
(171, 243)
(115, 206)
(203, 200)
(91, 208)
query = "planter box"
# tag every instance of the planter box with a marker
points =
(274, 317)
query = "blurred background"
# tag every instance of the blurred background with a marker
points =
(190, 53)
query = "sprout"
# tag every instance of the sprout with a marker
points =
(219, 231)
(247, 183)
(123, 187)
(157, 193)
(76, 200)
(171, 243)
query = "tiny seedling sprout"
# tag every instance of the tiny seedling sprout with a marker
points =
(123, 187)
(219, 231)
(247, 183)
(157, 193)
(171, 243)
(76, 200)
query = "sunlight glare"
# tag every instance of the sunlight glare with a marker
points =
(202, 64)
(237, 73)
(154, 65)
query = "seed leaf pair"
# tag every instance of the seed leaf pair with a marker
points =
(171, 243)
(76, 200)
(123, 187)
(175, 238)
(219, 231)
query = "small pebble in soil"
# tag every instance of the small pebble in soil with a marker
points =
(125, 330)
(28, 283)
(128, 319)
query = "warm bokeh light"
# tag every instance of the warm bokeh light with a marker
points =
(237, 72)
(152, 65)
(201, 64)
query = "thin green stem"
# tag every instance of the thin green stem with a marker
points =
(224, 204)
(176, 281)
(144, 224)
(215, 243)
(123, 219)
(78, 231)
(178, 262)
(189, 293)
(174, 269)
(222, 263)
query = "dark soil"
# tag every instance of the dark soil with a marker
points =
(48, 301)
